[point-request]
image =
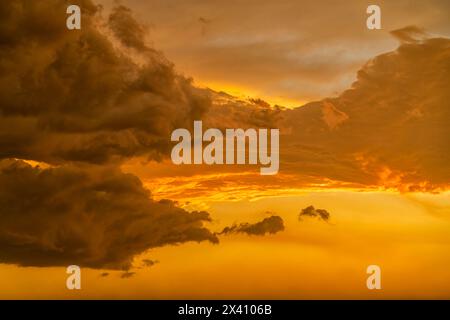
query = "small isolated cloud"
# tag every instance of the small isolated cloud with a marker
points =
(104, 274)
(315, 213)
(149, 263)
(96, 217)
(127, 275)
(270, 225)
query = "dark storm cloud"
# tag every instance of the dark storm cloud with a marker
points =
(270, 225)
(388, 131)
(89, 216)
(315, 213)
(75, 96)
(409, 34)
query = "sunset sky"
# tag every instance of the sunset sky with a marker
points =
(86, 176)
(286, 52)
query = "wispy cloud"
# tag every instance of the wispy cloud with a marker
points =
(270, 225)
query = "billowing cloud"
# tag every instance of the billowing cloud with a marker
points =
(89, 216)
(75, 96)
(230, 112)
(388, 131)
(315, 213)
(409, 34)
(126, 28)
(270, 225)
(84, 101)
(104, 106)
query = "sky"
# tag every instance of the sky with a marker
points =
(285, 52)
(86, 176)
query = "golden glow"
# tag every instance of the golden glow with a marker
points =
(310, 259)
(246, 93)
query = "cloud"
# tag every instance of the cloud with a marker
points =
(104, 107)
(390, 129)
(229, 112)
(296, 57)
(94, 217)
(149, 263)
(82, 102)
(331, 116)
(126, 28)
(127, 275)
(313, 212)
(270, 225)
(75, 96)
(85, 101)
(409, 34)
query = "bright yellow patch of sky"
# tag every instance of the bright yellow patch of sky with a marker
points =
(251, 93)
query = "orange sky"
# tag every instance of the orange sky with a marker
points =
(406, 235)
(372, 156)
(286, 52)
